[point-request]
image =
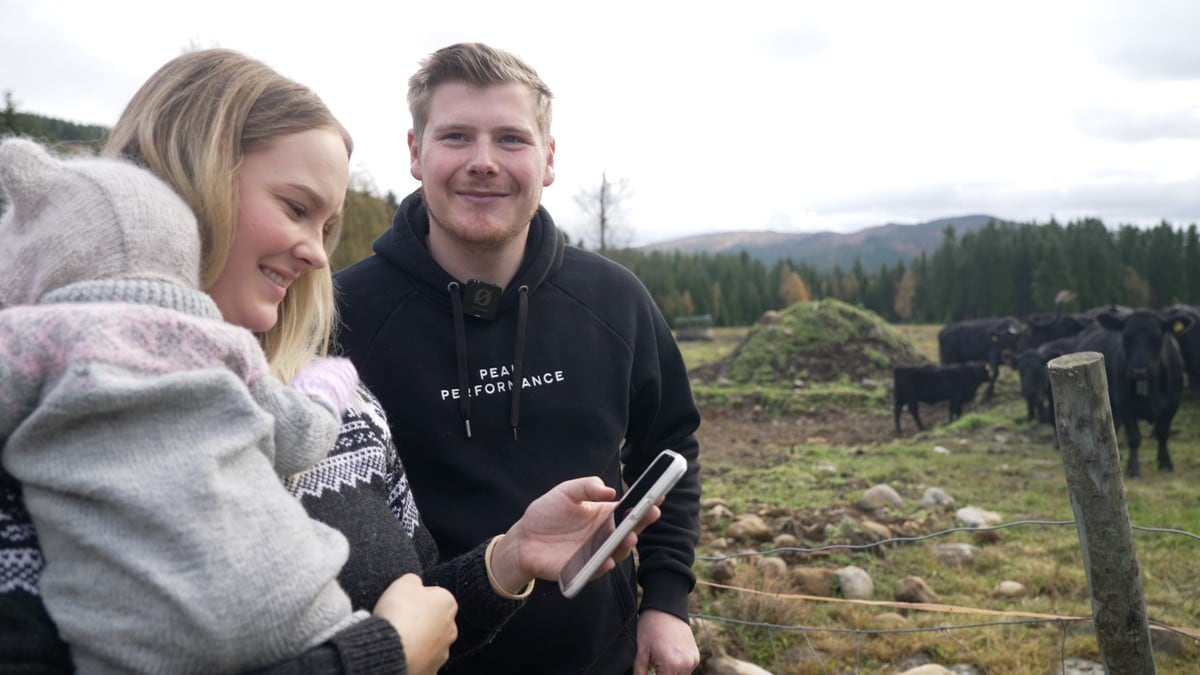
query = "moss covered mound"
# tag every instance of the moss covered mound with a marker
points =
(816, 342)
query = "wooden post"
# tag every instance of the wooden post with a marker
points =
(1088, 442)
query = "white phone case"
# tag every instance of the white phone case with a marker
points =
(659, 477)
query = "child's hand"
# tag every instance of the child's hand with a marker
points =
(332, 379)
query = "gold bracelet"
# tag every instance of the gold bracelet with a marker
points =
(487, 564)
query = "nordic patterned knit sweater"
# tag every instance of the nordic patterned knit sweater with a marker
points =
(142, 430)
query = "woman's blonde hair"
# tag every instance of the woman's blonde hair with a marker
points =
(191, 123)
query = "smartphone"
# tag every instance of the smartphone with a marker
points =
(655, 481)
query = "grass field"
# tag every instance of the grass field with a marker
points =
(991, 459)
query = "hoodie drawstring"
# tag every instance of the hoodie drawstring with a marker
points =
(514, 414)
(460, 349)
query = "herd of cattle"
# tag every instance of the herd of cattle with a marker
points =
(1148, 354)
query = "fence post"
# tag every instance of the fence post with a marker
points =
(1088, 443)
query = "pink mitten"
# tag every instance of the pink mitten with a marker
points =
(332, 379)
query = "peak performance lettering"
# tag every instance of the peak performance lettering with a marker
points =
(492, 387)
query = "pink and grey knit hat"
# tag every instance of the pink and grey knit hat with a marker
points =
(88, 219)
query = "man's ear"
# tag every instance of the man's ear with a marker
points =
(548, 176)
(414, 155)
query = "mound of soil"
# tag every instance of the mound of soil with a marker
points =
(815, 342)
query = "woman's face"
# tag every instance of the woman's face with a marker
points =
(289, 194)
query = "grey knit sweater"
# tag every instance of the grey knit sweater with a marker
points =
(147, 434)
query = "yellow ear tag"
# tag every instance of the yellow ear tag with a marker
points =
(1178, 327)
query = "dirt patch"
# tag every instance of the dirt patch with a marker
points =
(744, 434)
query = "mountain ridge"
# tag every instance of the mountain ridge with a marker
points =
(874, 246)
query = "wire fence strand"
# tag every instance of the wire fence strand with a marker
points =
(1009, 617)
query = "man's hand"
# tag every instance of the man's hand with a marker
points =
(556, 524)
(666, 644)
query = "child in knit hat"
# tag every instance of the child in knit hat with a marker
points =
(148, 434)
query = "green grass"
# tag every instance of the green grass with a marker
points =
(996, 462)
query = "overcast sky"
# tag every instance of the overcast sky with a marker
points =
(787, 115)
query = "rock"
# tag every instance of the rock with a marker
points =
(941, 449)
(855, 583)
(720, 511)
(928, 669)
(879, 530)
(935, 496)
(971, 516)
(723, 571)
(956, 554)
(786, 525)
(914, 589)
(824, 467)
(785, 541)
(1079, 667)
(891, 620)
(986, 537)
(714, 636)
(814, 581)
(918, 659)
(771, 316)
(749, 527)
(727, 665)
(879, 496)
(708, 632)
(709, 502)
(1009, 589)
(772, 566)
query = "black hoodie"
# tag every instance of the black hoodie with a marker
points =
(603, 390)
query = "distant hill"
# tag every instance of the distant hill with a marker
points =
(875, 246)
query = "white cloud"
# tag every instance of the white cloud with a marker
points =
(1126, 126)
(810, 115)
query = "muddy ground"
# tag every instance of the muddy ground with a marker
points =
(744, 435)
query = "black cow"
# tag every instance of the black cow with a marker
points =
(1030, 364)
(1145, 376)
(955, 383)
(979, 340)
(1118, 310)
(1044, 327)
(1183, 324)
(1035, 385)
(1054, 349)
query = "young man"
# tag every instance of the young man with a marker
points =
(507, 362)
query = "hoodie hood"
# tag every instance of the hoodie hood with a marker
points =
(405, 245)
(401, 245)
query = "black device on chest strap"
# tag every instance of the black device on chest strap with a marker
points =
(481, 299)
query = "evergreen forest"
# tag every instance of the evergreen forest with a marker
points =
(998, 270)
